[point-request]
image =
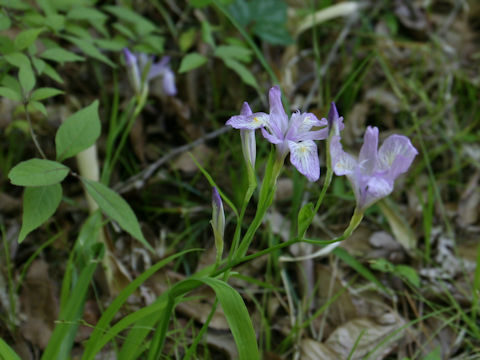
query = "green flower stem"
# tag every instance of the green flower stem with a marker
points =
(140, 103)
(252, 185)
(267, 192)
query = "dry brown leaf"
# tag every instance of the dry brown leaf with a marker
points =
(369, 334)
(314, 350)
(400, 227)
(469, 204)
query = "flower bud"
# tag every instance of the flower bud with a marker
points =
(218, 222)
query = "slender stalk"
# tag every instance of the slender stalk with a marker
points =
(32, 133)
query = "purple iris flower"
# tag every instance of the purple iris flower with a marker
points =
(294, 135)
(139, 62)
(373, 174)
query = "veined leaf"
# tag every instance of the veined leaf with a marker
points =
(117, 208)
(78, 132)
(45, 93)
(39, 204)
(191, 61)
(61, 55)
(26, 38)
(38, 172)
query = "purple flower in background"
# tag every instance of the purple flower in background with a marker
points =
(137, 65)
(335, 122)
(294, 135)
(373, 174)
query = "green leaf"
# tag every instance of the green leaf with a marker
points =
(89, 49)
(38, 64)
(117, 208)
(154, 42)
(56, 22)
(61, 55)
(78, 132)
(26, 38)
(6, 352)
(238, 318)
(274, 33)
(187, 39)
(5, 22)
(305, 217)
(52, 73)
(38, 172)
(242, 71)
(37, 106)
(17, 59)
(26, 77)
(233, 52)
(10, 94)
(45, 93)
(39, 204)
(191, 61)
(115, 44)
(142, 25)
(408, 273)
(86, 13)
(15, 4)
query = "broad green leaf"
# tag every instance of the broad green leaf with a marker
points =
(242, 71)
(61, 55)
(15, 4)
(86, 13)
(6, 352)
(305, 217)
(89, 49)
(78, 132)
(117, 43)
(38, 64)
(26, 38)
(17, 59)
(207, 34)
(124, 30)
(10, 94)
(26, 77)
(6, 45)
(155, 43)
(274, 33)
(117, 208)
(38, 172)
(45, 93)
(37, 106)
(52, 73)
(187, 39)
(39, 204)
(142, 25)
(56, 22)
(408, 273)
(191, 61)
(233, 52)
(5, 22)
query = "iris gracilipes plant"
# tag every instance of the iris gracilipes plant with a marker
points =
(372, 175)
